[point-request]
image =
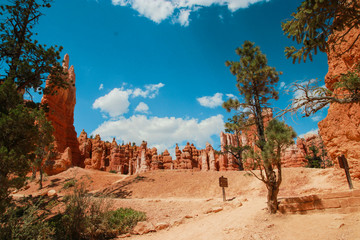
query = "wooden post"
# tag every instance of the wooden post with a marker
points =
(223, 182)
(344, 164)
(224, 196)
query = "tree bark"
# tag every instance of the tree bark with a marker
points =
(272, 201)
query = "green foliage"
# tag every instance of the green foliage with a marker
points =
(278, 136)
(89, 218)
(236, 125)
(26, 62)
(69, 184)
(314, 22)
(255, 82)
(112, 171)
(18, 136)
(26, 221)
(350, 83)
(124, 219)
(314, 160)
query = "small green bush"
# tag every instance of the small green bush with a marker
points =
(124, 219)
(113, 171)
(86, 217)
(69, 184)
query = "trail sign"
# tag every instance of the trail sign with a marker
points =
(223, 183)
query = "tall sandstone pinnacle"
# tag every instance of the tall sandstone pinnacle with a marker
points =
(340, 129)
(61, 114)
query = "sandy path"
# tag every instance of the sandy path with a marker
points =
(211, 226)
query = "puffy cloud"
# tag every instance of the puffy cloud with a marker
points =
(183, 18)
(142, 107)
(159, 10)
(115, 103)
(211, 101)
(161, 132)
(156, 10)
(101, 87)
(214, 101)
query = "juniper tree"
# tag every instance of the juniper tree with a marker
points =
(256, 84)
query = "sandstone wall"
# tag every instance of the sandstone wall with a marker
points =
(131, 159)
(340, 129)
(61, 114)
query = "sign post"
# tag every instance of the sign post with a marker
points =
(223, 182)
(344, 164)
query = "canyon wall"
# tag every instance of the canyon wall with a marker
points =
(340, 129)
(131, 159)
(61, 114)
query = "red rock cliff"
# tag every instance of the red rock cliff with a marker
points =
(340, 129)
(61, 114)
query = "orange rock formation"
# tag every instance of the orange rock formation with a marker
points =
(340, 129)
(61, 114)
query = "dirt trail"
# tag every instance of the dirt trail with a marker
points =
(221, 225)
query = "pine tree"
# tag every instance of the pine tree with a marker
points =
(25, 65)
(256, 83)
(26, 62)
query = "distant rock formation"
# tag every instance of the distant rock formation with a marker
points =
(340, 129)
(61, 114)
(293, 156)
(131, 159)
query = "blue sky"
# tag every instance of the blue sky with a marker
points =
(154, 69)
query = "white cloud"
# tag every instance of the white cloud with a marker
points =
(142, 107)
(231, 96)
(159, 10)
(312, 131)
(282, 85)
(161, 132)
(115, 103)
(101, 87)
(211, 101)
(156, 10)
(150, 91)
(183, 18)
(316, 118)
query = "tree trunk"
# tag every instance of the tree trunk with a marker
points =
(273, 191)
(41, 178)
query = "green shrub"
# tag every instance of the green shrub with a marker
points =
(86, 217)
(113, 171)
(26, 221)
(69, 184)
(124, 219)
